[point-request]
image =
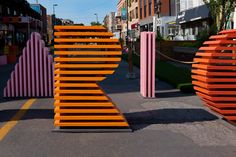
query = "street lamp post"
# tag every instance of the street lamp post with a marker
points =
(54, 5)
(96, 17)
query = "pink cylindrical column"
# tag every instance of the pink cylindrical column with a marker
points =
(147, 66)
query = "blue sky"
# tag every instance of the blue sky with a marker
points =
(79, 10)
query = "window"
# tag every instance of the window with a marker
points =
(150, 9)
(136, 12)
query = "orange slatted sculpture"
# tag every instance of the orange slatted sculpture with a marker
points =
(85, 55)
(214, 74)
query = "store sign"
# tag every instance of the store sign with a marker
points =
(157, 21)
(123, 14)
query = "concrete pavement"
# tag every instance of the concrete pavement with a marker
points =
(173, 124)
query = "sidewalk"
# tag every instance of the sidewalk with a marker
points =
(173, 124)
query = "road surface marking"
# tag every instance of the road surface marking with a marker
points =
(14, 120)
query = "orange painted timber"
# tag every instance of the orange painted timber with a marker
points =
(77, 28)
(91, 124)
(215, 48)
(214, 60)
(212, 80)
(226, 36)
(58, 117)
(79, 78)
(87, 91)
(214, 86)
(212, 67)
(214, 74)
(219, 42)
(86, 54)
(76, 40)
(87, 59)
(84, 34)
(209, 54)
(83, 104)
(57, 97)
(87, 46)
(83, 72)
(112, 111)
(58, 84)
(207, 73)
(86, 66)
(215, 92)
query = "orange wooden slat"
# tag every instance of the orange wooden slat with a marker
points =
(92, 28)
(75, 40)
(57, 97)
(79, 78)
(91, 124)
(83, 104)
(219, 42)
(77, 91)
(78, 53)
(212, 67)
(215, 80)
(83, 72)
(207, 73)
(84, 66)
(91, 118)
(87, 34)
(58, 110)
(58, 84)
(105, 59)
(87, 47)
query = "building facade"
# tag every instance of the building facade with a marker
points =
(163, 11)
(17, 21)
(121, 21)
(193, 17)
(43, 13)
(133, 24)
(109, 22)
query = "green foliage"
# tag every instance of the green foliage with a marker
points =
(158, 36)
(95, 23)
(205, 34)
(220, 11)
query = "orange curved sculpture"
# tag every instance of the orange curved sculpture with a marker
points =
(86, 54)
(214, 74)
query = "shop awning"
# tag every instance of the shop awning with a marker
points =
(198, 13)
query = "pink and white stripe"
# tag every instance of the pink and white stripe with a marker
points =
(33, 75)
(147, 64)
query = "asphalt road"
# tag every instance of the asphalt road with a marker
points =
(173, 124)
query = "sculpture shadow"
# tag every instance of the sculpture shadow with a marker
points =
(6, 115)
(171, 94)
(140, 120)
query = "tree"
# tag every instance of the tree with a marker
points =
(95, 23)
(220, 11)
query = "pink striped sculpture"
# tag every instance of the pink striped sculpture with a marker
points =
(33, 75)
(147, 65)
